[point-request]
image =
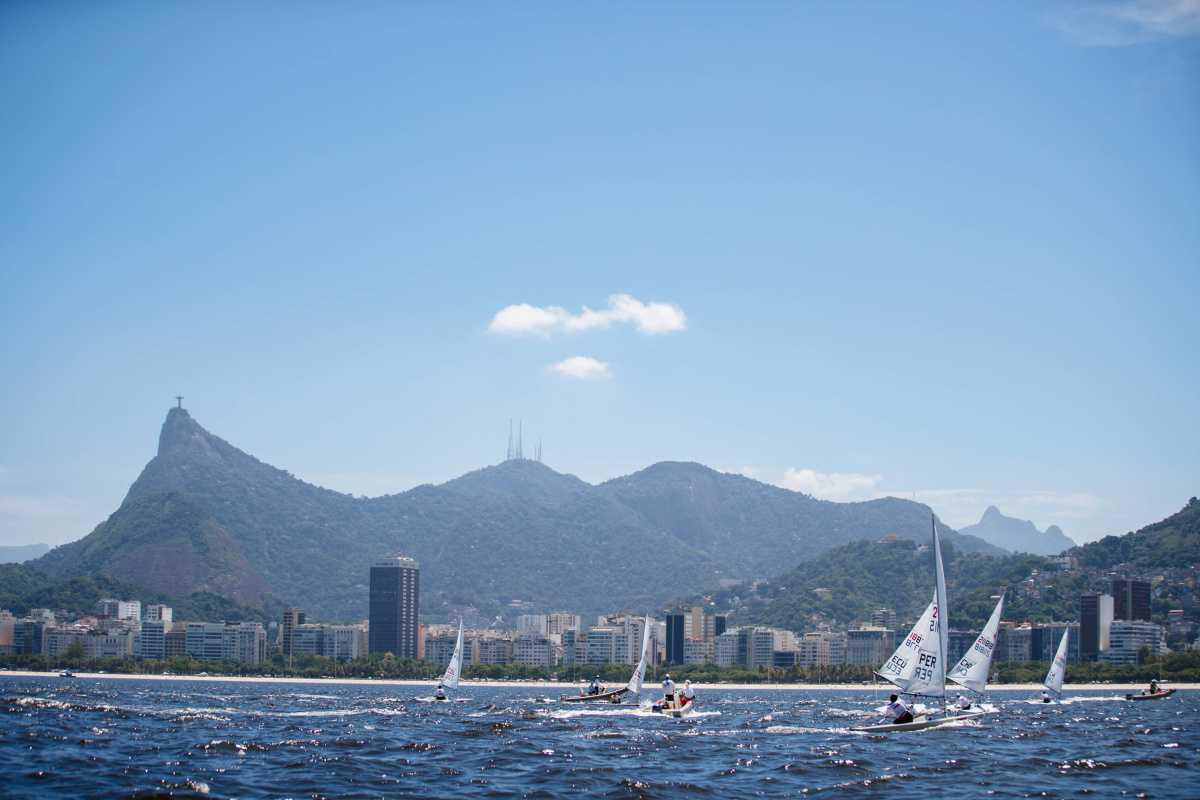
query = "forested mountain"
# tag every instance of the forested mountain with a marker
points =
(206, 517)
(847, 583)
(1018, 535)
(1173, 542)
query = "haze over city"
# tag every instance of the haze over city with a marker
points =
(835, 248)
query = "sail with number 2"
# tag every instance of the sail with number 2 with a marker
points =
(973, 668)
(454, 668)
(1058, 670)
(918, 665)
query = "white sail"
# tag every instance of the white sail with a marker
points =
(1058, 670)
(916, 666)
(454, 668)
(639, 674)
(943, 609)
(973, 668)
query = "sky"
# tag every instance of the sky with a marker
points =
(854, 249)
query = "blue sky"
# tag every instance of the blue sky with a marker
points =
(851, 248)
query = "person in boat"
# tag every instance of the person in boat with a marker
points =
(899, 711)
(1046, 696)
(594, 686)
(440, 692)
(1153, 687)
(964, 703)
(668, 690)
(689, 694)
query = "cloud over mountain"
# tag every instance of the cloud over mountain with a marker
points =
(650, 318)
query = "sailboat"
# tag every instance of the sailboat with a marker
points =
(971, 671)
(634, 686)
(453, 672)
(918, 665)
(1058, 669)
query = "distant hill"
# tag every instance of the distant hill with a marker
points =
(1018, 535)
(15, 554)
(1173, 542)
(205, 517)
(845, 584)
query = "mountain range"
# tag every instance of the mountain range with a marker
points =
(1018, 535)
(205, 517)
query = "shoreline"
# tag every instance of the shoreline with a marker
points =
(830, 687)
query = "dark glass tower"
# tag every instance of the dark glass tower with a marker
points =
(395, 604)
(674, 638)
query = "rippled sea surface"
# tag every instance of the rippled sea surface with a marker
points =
(106, 738)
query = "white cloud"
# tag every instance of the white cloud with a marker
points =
(650, 318)
(582, 367)
(1117, 23)
(840, 486)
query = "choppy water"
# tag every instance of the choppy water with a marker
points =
(91, 738)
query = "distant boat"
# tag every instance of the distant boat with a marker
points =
(66, 673)
(918, 666)
(1159, 695)
(1058, 669)
(449, 679)
(634, 686)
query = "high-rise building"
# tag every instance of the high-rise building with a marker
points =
(293, 618)
(395, 606)
(675, 638)
(108, 607)
(27, 637)
(885, 618)
(175, 641)
(720, 624)
(1095, 619)
(7, 621)
(152, 641)
(560, 622)
(534, 650)
(129, 609)
(1131, 599)
(532, 623)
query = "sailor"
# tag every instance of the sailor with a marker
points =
(668, 689)
(440, 693)
(899, 711)
(964, 703)
(1046, 696)
(594, 688)
(689, 694)
(1153, 687)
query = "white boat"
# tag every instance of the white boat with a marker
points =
(453, 672)
(971, 671)
(1058, 669)
(918, 667)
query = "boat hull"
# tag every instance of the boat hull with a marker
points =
(1155, 696)
(604, 697)
(917, 724)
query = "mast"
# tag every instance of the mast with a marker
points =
(943, 610)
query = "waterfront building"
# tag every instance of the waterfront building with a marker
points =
(602, 644)
(959, 642)
(569, 646)
(7, 622)
(697, 651)
(109, 644)
(533, 649)
(27, 637)
(725, 648)
(869, 645)
(292, 619)
(1014, 643)
(206, 640)
(675, 638)
(245, 642)
(1045, 637)
(439, 644)
(720, 624)
(1095, 619)
(395, 606)
(1127, 638)
(490, 649)
(175, 641)
(820, 649)
(1131, 599)
(152, 640)
(56, 641)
